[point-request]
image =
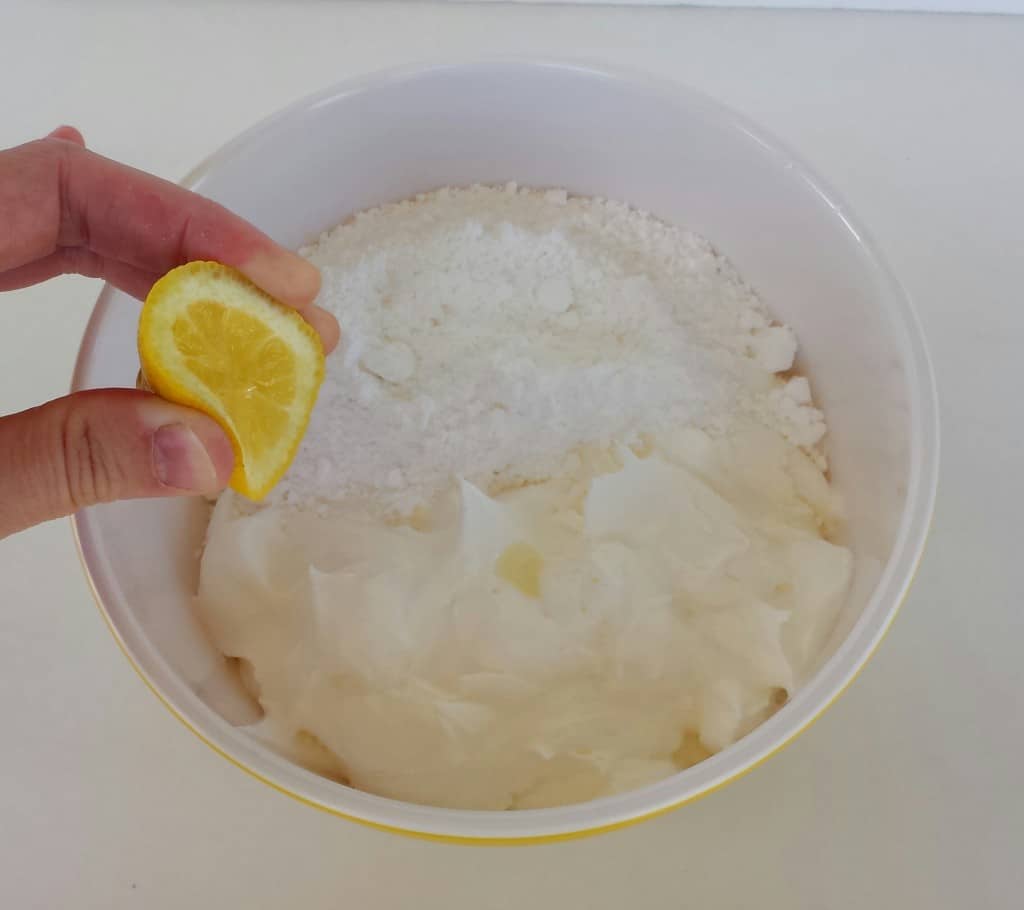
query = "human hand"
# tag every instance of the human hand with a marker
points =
(64, 209)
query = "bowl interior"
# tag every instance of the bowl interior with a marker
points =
(592, 132)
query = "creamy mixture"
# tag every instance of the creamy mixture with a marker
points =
(558, 528)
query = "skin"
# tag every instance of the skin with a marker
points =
(64, 209)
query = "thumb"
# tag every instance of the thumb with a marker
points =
(104, 445)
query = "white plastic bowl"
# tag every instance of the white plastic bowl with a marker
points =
(593, 131)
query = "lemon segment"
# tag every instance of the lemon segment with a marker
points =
(211, 340)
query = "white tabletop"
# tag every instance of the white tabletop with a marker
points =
(907, 794)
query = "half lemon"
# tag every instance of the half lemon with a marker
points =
(211, 340)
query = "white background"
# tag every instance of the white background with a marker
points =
(907, 794)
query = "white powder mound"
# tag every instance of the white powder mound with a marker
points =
(489, 332)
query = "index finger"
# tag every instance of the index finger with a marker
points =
(121, 213)
(60, 199)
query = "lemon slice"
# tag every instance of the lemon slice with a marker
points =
(210, 339)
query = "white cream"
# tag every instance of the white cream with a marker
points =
(547, 645)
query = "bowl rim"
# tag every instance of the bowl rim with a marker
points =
(610, 812)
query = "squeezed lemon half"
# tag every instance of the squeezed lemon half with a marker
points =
(210, 339)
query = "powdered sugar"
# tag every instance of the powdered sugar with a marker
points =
(490, 332)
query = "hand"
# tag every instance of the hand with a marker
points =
(64, 209)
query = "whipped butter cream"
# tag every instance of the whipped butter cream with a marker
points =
(544, 645)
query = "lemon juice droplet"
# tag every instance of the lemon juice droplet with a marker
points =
(520, 565)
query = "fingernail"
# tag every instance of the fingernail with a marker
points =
(285, 275)
(307, 278)
(326, 325)
(67, 133)
(181, 461)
